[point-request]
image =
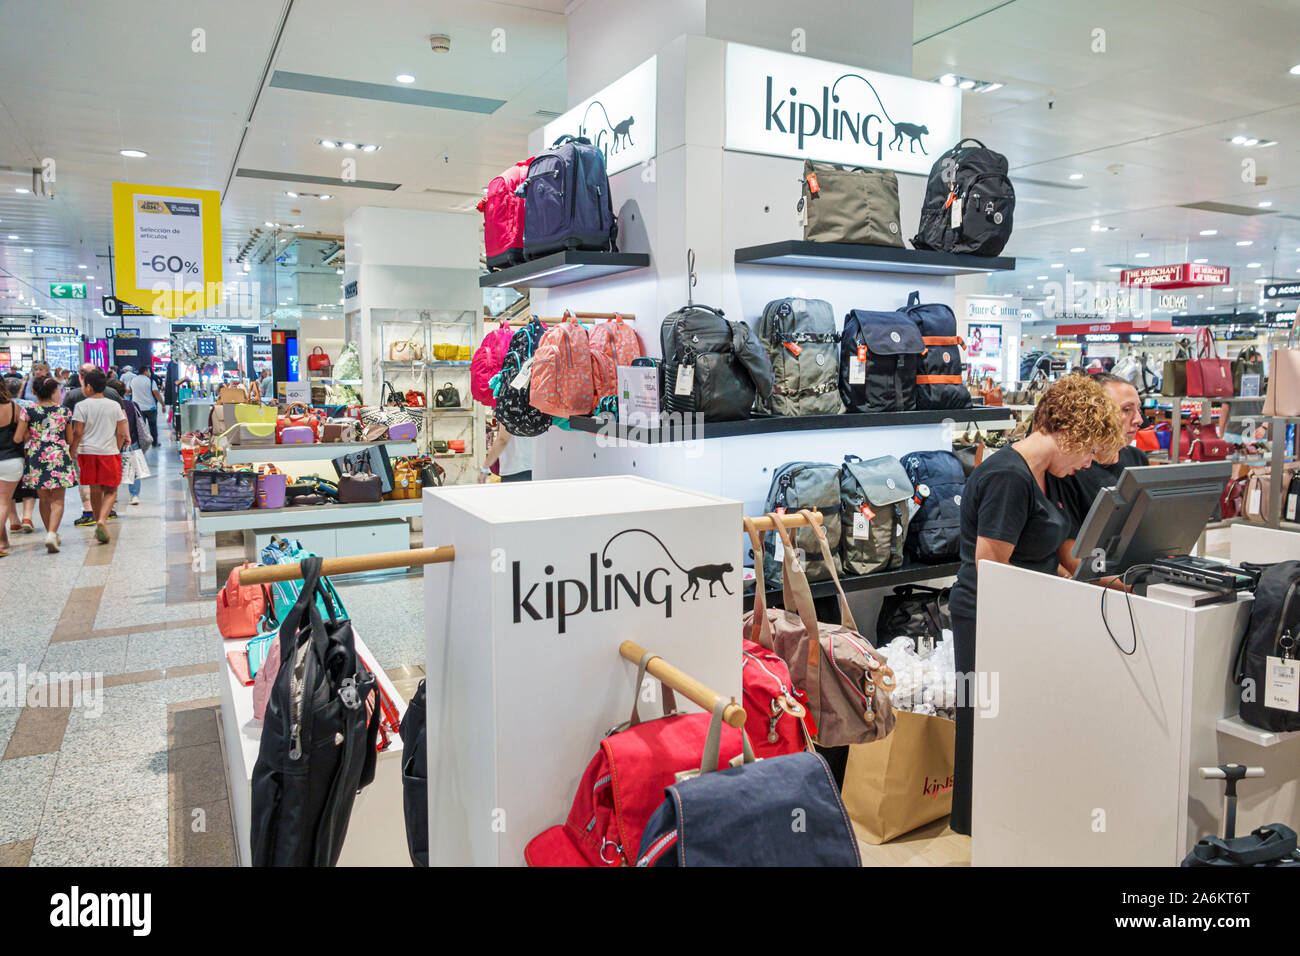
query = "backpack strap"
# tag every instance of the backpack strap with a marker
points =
(1267, 844)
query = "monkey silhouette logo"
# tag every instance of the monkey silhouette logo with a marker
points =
(615, 136)
(913, 131)
(622, 135)
(712, 573)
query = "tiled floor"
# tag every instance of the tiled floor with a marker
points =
(130, 772)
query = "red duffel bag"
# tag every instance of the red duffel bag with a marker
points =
(1208, 376)
(624, 784)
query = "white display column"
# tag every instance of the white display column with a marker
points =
(523, 630)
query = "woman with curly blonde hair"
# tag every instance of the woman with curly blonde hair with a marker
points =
(1007, 516)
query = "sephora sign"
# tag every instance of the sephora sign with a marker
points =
(784, 104)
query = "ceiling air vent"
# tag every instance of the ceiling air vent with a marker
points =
(548, 114)
(1046, 182)
(1227, 208)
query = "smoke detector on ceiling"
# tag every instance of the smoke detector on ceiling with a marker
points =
(440, 42)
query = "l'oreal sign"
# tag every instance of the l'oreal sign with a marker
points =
(784, 104)
(619, 120)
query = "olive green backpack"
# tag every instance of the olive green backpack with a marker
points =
(803, 347)
(874, 513)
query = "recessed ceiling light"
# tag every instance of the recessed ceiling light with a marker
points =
(327, 143)
(1058, 265)
(324, 196)
(1078, 249)
(13, 237)
(1295, 70)
(1029, 287)
(79, 266)
(369, 148)
(269, 225)
(1266, 203)
(99, 288)
(989, 87)
(966, 85)
(27, 250)
(1239, 140)
(948, 79)
(1253, 141)
(349, 145)
(291, 194)
(1252, 265)
(133, 153)
(1116, 270)
(1200, 295)
(1209, 232)
(1260, 281)
(1245, 242)
(1142, 255)
(1199, 261)
(1076, 175)
(404, 78)
(1042, 278)
(20, 189)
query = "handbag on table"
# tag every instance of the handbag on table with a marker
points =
(271, 486)
(415, 398)
(445, 352)
(1283, 396)
(339, 430)
(407, 351)
(1247, 362)
(224, 489)
(402, 431)
(233, 395)
(1208, 376)
(318, 361)
(446, 397)
(841, 680)
(377, 463)
(991, 392)
(296, 416)
(1198, 441)
(360, 484)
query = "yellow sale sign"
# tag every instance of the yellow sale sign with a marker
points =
(168, 248)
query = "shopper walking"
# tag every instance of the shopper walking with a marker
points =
(140, 442)
(1008, 517)
(143, 391)
(51, 469)
(13, 433)
(71, 399)
(28, 392)
(514, 455)
(99, 432)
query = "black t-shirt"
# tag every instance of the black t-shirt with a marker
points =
(75, 395)
(1077, 493)
(1002, 501)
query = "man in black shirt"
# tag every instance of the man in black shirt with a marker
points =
(1076, 493)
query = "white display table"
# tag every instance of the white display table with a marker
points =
(524, 673)
(377, 830)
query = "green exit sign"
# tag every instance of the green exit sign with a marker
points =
(67, 290)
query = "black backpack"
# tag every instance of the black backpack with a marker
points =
(940, 381)
(514, 410)
(317, 748)
(880, 353)
(728, 366)
(935, 532)
(916, 611)
(969, 202)
(1274, 629)
(415, 777)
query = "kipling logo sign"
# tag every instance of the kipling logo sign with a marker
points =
(805, 120)
(619, 120)
(611, 586)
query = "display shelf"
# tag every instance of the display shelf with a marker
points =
(454, 454)
(257, 454)
(563, 268)
(765, 426)
(1234, 726)
(908, 574)
(421, 364)
(305, 516)
(801, 254)
(337, 381)
(442, 411)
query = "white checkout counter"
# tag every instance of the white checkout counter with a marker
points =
(1087, 757)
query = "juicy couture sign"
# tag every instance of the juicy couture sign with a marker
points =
(619, 120)
(784, 104)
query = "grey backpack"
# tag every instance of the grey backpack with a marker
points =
(804, 484)
(802, 344)
(874, 513)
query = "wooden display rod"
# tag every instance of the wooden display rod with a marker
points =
(683, 683)
(383, 561)
(387, 560)
(625, 316)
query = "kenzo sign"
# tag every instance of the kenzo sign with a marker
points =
(608, 584)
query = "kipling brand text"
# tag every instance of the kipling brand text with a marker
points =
(828, 119)
(604, 587)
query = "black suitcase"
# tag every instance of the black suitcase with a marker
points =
(1271, 845)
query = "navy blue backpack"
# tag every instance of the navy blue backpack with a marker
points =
(940, 374)
(934, 534)
(566, 200)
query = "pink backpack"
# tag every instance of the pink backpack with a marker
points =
(503, 218)
(618, 340)
(487, 362)
(568, 376)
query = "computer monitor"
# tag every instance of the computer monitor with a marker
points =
(1153, 512)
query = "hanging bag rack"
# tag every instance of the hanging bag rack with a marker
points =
(683, 683)
(625, 316)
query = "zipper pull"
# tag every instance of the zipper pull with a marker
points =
(295, 743)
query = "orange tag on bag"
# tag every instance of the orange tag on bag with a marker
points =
(867, 512)
(813, 187)
(952, 194)
(794, 349)
(780, 511)
(862, 353)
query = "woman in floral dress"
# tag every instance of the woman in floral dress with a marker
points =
(51, 469)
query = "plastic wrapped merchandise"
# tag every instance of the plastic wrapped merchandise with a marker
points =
(923, 683)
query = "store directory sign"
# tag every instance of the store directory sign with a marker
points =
(619, 120)
(168, 248)
(785, 104)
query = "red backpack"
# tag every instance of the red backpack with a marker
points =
(240, 607)
(503, 218)
(487, 362)
(569, 377)
(618, 340)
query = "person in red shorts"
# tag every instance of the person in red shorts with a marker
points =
(99, 433)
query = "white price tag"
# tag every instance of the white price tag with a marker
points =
(780, 548)
(924, 645)
(1291, 506)
(685, 380)
(913, 506)
(521, 380)
(956, 214)
(1282, 684)
(1252, 505)
(861, 527)
(857, 371)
